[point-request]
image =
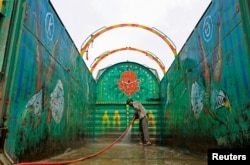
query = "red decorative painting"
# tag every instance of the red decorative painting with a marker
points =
(128, 83)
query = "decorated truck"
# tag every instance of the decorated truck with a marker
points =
(49, 100)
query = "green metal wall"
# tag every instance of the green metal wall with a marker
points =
(5, 15)
(47, 92)
(114, 86)
(206, 91)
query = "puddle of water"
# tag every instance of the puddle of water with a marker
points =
(125, 152)
(133, 154)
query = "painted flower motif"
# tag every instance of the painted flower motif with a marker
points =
(128, 83)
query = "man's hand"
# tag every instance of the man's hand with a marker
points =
(136, 116)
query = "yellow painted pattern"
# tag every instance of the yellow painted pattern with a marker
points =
(116, 119)
(105, 119)
(150, 55)
(151, 121)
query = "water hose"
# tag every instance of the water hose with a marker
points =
(84, 158)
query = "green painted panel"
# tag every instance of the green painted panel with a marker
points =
(112, 120)
(115, 85)
(125, 80)
(48, 92)
(6, 8)
(206, 98)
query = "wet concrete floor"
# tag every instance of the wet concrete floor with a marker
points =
(131, 154)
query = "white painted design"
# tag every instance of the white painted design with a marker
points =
(35, 103)
(57, 102)
(197, 95)
(49, 25)
(207, 28)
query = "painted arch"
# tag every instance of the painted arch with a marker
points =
(152, 56)
(91, 38)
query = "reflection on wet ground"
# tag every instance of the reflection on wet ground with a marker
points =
(132, 154)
